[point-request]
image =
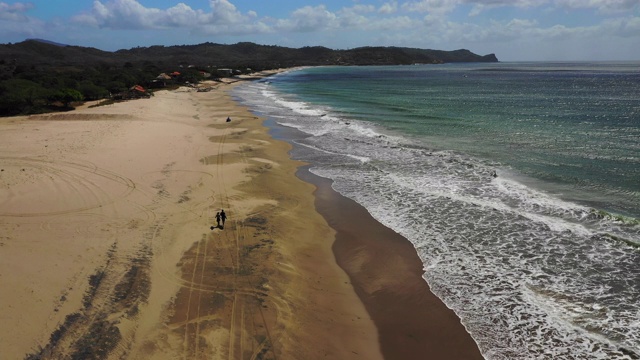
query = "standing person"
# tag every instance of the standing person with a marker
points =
(218, 219)
(223, 217)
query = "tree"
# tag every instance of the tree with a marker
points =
(92, 91)
(69, 81)
(115, 87)
(18, 96)
(66, 96)
(191, 75)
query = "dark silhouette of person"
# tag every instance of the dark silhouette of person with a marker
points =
(228, 119)
(218, 219)
(223, 217)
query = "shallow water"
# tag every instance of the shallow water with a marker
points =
(534, 261)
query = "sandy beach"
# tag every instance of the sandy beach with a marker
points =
(109, 247)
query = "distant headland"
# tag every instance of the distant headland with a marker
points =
(244, 54)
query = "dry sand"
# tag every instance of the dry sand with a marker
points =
(107, 251)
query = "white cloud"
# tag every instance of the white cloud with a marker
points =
(388, 8)
(360, 9)
(355, 17)
(481, 6)
(130, 14)
(623, 27)
(224, 12)
(16, 24)
(346, 20)
(308, 19)
(518, 30)
(224, 17)
(180, 15)
(398, 23)
(14, 12)
(603, 6)
(121, 14)
(431, 6)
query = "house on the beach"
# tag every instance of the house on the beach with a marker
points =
(134, 92)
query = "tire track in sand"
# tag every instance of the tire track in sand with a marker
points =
(237, 328)
(223, 309)
(241, 232)
(188, 311)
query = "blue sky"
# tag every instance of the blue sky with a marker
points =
(515, 30)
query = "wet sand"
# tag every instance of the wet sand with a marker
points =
(386, 273)
(107, 250)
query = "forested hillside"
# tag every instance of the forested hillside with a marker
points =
(38, 76)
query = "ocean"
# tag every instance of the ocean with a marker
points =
(517, 183)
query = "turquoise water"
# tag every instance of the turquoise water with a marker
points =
(574, 126)
(541, 261)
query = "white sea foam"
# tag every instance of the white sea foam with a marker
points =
(299, 107)
(529, 274)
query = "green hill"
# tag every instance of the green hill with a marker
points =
(38, 75)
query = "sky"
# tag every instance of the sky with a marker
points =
(514, 30)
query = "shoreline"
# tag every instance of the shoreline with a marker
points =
(112, 208)
(386, 273)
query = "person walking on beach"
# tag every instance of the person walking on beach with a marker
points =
(223, 217)
(218, 219)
